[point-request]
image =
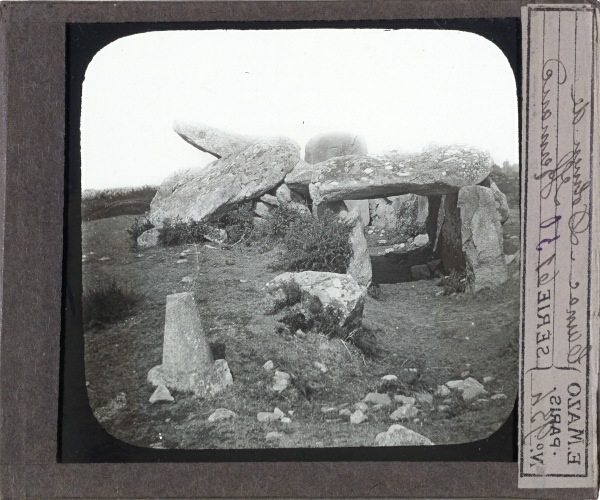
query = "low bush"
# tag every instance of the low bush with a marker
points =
(108, 303)
(326, 321)
(312, 244)
(238, 222)
(179, 232)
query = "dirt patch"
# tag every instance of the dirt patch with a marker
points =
(440, 337)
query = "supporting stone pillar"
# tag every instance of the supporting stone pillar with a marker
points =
(481, 232)
(432, 221)
(453, 257)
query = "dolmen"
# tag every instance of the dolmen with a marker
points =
(187, 361)
(449, 187)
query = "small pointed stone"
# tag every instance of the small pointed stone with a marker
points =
(161, 394)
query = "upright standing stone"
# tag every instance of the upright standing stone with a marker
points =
(187, 362)
(481, 233)
(185, 346)
(359, 266)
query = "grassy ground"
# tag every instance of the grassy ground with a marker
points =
(440, 336)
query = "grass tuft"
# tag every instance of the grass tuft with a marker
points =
(109, 303)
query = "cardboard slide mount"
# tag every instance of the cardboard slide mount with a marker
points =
(34, 114)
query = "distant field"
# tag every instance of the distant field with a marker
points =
(100, 204)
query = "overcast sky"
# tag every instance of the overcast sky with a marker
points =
(399, 89)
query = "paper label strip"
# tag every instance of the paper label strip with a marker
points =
(557, 425)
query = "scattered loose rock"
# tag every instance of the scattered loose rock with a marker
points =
(320, 366)
(221, 414)
(361, 406)
(442, 391)
(399, 398)
(161, 395)
(398, 435)
(358, 417)
(406, 412)
(378, 399)
(269, 365)
(267, 417)
(274, 436)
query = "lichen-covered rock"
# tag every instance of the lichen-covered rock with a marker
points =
(482, 241)
(433, 172)
(217, 142)
(206, 194)
(331, 144)
(321, 290)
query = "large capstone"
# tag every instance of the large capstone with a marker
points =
(217, 142)
(187, 362)
(206, 194)
(319, 291)
(481, 233)
(436, 171)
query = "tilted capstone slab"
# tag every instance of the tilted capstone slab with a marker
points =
(208, 193)
(211, 140)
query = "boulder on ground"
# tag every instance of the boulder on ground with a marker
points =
(148, 239)
(262, 209)
(482, 241)
(359, 266)
(217, 142)
(405, 412)
(331, 144)
(208, 193)
(320, 291)
(434, 172)
(398, 435)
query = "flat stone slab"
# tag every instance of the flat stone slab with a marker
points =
(208, 193)
(437, 171)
